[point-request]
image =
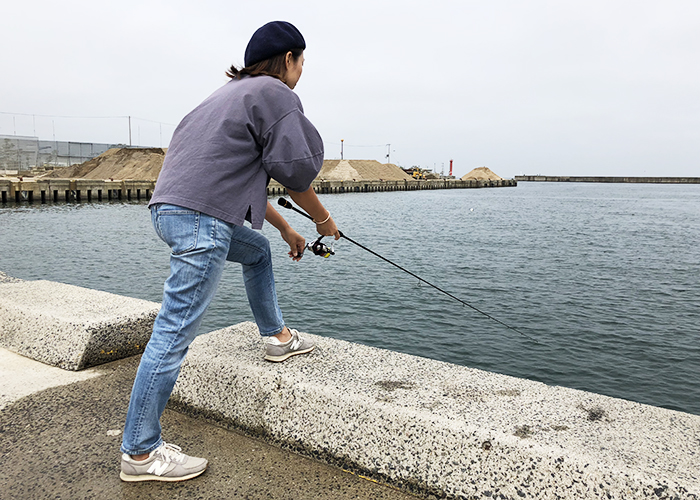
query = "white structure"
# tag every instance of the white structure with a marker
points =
(18, 153)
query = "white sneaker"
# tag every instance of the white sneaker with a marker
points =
(165, 463)
(279, 351)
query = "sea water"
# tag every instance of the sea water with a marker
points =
(605, 277)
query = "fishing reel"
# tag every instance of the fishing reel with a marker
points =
(320, 249)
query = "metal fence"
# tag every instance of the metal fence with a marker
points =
(21, 153)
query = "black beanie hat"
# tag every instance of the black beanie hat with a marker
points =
(273, 38)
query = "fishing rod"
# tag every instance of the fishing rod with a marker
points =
(321, 249)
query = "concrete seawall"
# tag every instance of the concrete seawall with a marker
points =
(640, 180)
(334, 187)
(69, 326)
(434, 427)
(423, 425)
(30, 190)
(72, 190)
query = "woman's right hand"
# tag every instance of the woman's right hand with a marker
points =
(310, 203)
(328, 228)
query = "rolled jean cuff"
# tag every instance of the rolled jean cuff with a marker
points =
(273, 333)
(149, 450)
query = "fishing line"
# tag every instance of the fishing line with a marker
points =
(287, 204)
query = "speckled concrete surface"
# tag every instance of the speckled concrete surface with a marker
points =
(433, 426)
(72, 327)
(63, 443)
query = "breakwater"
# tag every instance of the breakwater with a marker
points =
(30, 190)
(639, 180)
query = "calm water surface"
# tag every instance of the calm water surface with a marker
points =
(605, 276)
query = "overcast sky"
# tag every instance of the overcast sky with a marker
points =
(523, 87)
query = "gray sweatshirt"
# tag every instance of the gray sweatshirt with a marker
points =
(223, 154)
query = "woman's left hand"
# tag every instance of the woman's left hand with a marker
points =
(296, 243)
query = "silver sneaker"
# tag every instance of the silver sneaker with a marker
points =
(165, 463)
(279, 351)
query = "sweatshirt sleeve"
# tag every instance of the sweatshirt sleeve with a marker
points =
(293, 151)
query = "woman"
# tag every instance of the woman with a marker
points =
(214, 178)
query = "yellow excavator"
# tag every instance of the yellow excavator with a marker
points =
(415, 172)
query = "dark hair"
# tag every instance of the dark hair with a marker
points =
(274, 66)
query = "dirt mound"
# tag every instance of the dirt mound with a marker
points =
(142, 164)
(481, 174)
(338, 170)
(361, 170)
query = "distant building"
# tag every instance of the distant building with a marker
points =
(22, 153)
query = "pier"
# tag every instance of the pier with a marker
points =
(38, 190)
(365, 186)
(19, 190)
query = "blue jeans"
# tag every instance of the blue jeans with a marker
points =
(200, 246)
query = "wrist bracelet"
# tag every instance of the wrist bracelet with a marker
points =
(323, 222)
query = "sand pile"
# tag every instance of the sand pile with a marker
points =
(481, 174)
(361, 170)
(144, 164)
(338, 170)
(141, 164)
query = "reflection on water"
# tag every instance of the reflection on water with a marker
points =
(605, 276)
